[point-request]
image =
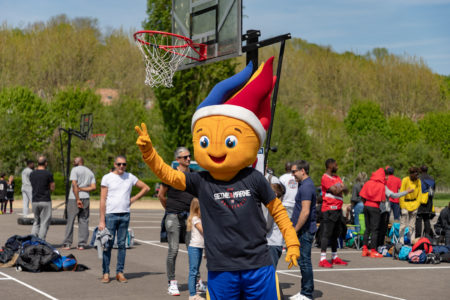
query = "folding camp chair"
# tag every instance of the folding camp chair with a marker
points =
(358, 235)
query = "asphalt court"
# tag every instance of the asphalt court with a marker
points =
(145, 267)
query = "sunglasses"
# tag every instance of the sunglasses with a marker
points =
(294, 171)
(184, 157)
(121, 164)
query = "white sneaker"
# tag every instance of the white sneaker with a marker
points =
(297, 296)
(173, 288)
(200, 286)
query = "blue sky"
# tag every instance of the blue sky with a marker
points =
(414, 27)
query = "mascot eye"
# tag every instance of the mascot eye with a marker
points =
(231, 141)
(204, 142)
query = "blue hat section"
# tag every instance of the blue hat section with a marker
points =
(226, 88)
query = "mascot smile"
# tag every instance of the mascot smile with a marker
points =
(228, 128)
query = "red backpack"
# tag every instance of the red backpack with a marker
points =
(423, 244)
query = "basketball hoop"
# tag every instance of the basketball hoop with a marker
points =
(163, 52)
(98, 140)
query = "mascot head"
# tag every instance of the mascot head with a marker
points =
(230, 125)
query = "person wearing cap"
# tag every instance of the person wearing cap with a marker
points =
(228, 129)
(410, 203)
(393, 183)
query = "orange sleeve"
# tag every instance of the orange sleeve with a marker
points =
(163, 171)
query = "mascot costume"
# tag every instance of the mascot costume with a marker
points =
(228, 128)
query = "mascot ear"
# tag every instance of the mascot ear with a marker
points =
(224, 89)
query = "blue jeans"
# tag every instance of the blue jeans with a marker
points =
(395, 208)
(195, 259)
(275, 253)
(306, 239)
(116, 224)
(358, 209)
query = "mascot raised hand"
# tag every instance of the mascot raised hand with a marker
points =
(228, 128)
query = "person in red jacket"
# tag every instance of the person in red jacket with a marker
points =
(374, 192)
(394, 184)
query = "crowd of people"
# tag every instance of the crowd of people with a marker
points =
(316, 214)
(409, 199)
(372, 200)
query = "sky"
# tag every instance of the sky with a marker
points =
(419, 28)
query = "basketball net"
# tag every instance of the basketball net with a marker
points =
(98, 140)
(163, 53)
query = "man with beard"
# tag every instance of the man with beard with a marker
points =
(332, 194)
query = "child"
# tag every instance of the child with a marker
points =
(2, 193)
(195, 249)
(9, 194)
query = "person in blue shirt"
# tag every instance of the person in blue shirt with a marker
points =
(304, 220)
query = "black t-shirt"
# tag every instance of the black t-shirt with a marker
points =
(178, 201)
(40, 183)
(10, 191)
(3, 185)
(233, 223)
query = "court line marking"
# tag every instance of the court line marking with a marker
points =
(157, 244)
(135, 214)
(144, 227)
(132, 221)
(374, 269)
(29, 286)
(344, 286)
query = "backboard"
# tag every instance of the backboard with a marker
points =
(216, 23)
(85, 124)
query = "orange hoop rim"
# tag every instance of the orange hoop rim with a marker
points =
(172, 49)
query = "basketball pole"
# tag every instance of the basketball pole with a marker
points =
(83, 134)
(251, 48)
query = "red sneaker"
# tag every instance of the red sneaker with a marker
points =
(338, 261)
(325, 264)
(365, 251)
(375, 254)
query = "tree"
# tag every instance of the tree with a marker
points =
(290, 137)
(25, 127)
(435, 128)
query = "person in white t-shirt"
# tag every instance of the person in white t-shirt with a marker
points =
(115, 201)
(195, 249)
(291, 187)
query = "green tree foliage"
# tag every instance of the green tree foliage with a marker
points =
(290, 137)
(435, 128)
(190, 87)
(25, 127)
(365, 118)
(47, 57)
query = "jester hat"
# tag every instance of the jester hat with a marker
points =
(243, 97)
